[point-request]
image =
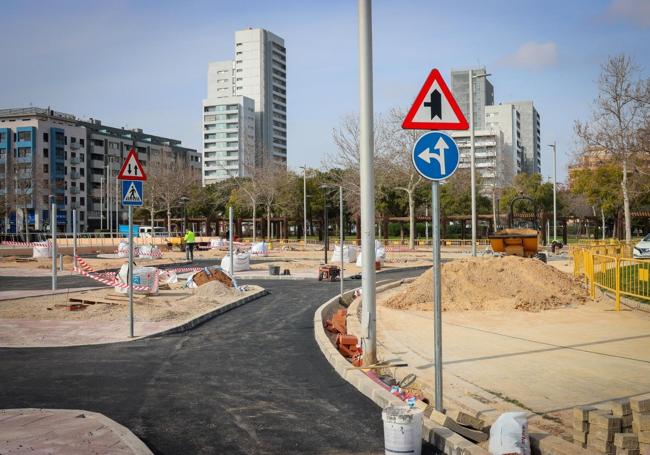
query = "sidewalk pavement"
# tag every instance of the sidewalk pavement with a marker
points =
(65, 431)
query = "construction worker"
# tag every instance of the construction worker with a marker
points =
(190, 238)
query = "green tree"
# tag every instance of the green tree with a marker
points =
(456, 195)
(601, 187)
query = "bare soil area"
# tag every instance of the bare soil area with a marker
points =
(174, 305)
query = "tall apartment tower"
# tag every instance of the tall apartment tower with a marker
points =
(530, 136)
(257, 75)
(483, 93)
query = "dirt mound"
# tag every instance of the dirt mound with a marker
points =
(498, 283)
(213, 289)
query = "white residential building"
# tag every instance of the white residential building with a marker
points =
(493, 162)
(506, 118)
(530, 136)
(258, 73)
(45, 153)
(228, 138)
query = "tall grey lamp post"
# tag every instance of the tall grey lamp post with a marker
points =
(304, 198)
(472, 76)
(554, 147)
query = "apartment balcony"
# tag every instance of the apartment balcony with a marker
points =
(94, 214)
(98, 164)
(75, 160)
(24, 159)
(75, 146)
(75, 175)
(73, 190)
(24, 190)
(59, 157)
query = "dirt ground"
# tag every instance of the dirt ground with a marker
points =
(175, 305)
(287, 259)
(567, 352)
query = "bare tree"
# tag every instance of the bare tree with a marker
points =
(167, 182)
(398, 165)
(346, 158)
(621, 111)
(252, 189)
(270, 180)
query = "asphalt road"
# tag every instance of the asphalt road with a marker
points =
(250, 381)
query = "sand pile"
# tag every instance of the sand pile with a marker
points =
(497, 283)
(212, 290)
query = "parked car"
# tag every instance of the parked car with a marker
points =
(642, 249)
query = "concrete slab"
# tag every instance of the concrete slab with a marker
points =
(65, 431)
(549, 361)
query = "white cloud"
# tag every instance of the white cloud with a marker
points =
(532, 55)
(635, 11)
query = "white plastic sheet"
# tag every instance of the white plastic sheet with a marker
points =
(241, 262)
(509, 434)
(349, 254)
(260, 249)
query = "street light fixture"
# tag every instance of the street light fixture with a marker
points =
(472, 76)
(184, 200)
(341, 239)
(304, 193)
(554, 147)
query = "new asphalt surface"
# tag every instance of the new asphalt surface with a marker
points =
(250, 381)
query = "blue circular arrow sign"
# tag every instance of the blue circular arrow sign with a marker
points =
(435, 156)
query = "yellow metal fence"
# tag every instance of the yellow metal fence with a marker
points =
(611, 268)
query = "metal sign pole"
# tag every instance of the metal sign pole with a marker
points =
(53, 221)
(230, 252)
(437, 306)
(130, 271)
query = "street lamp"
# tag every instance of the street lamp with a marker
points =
(184, 200)
(554, 147)
(341, 239)
(304, 194)
(472, 76)
(325, 222)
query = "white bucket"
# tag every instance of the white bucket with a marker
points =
(402, 430)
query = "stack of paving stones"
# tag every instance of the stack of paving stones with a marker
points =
(581, 424)
(603, 425)
(641, 418)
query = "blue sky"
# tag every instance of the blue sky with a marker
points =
(144, 63)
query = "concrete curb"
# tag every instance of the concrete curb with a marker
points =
(189, 325)
(130, 440)
(442, 438)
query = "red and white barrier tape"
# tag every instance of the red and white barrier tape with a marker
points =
(114, 282)
(32, 244)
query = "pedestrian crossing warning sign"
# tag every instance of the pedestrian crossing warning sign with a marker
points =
(132, 192)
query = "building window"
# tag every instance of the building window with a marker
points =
(73, 140)
(46, 138)
(46, 153)
(45, 168)
(98, 142)
(82, 142)
(82, 186)
(24, 136)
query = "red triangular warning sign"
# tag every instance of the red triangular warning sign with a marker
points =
(132, 168)
(435, 108)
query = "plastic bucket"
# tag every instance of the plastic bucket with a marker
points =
(402, 430)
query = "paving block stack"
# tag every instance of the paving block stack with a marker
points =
(641, 417)
(581, 424)
(602, 428)
(626, 444)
